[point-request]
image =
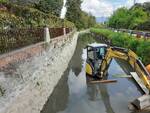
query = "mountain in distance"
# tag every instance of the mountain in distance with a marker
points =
(101, 19)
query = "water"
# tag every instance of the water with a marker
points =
(63, 10)
(74, 95)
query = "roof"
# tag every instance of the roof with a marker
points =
(97, 45)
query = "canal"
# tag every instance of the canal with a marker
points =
(73, 95)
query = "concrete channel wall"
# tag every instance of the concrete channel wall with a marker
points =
(29, 83)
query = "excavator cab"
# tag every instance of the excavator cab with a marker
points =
(95, 54)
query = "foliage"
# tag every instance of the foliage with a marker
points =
(23, 16)
(3, 1)
(23, 2)
(99, 25)
(85, 39)
(144, 51)
(120, 18)
(50, 6)
(77, 16)
(10, 21)
(144, 26)
(39, 13)
(128, 18)
(138, 16)
(141, 47)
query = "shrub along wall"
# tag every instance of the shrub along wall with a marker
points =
(139, 46)
(15, 16)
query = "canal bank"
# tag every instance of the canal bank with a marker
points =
(40, 75)
(73, 95)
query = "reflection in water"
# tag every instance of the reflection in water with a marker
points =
(59, 98)
(79, 101)
(105, 97)
(125, 66)
(98, 92)
(76, 62)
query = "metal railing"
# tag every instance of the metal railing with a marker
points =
(18, 38)
(56, 32)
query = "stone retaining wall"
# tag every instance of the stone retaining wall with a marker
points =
(28, 87)
(29, 51)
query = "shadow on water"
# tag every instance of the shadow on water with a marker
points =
(73, 95)
(76, 61)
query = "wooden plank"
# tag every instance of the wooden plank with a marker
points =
(122, 76)
(139, 82)
(102, 81)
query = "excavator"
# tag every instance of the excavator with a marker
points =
(99, 57)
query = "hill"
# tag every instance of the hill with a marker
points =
(101, 19)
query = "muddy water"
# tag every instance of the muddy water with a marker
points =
(73, 95)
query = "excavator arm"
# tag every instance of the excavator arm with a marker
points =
(129, 56)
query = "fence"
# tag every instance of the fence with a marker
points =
(18, 38)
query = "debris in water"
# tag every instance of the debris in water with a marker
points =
(103, 81)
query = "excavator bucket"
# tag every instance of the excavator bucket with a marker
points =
(142, 102)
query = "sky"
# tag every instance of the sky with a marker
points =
(105, 8)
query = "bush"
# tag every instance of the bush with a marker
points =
(143, 50)
(25, 16)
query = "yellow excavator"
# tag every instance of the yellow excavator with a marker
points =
(99, 57)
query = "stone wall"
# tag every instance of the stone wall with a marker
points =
(30, 83)
(19, 55)
(30, 51)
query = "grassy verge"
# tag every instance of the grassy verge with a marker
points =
(139, 46)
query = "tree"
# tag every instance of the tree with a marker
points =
(138, 16)
(77, 16)
(23, 2)
(120, 18)
(50, 6)
(74, 12)
(128, 18)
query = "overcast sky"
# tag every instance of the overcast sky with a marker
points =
(104, 8)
